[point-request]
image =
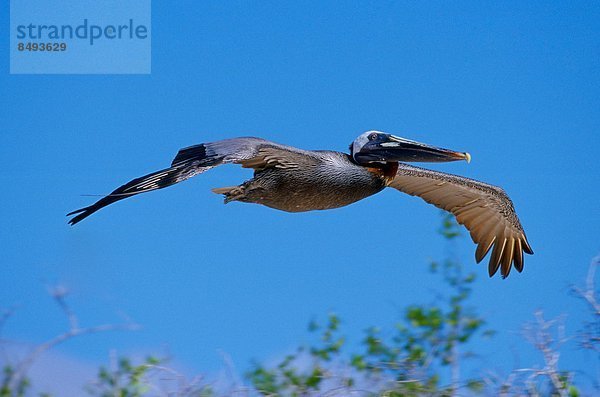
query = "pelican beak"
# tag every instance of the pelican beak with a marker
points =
(392, 148)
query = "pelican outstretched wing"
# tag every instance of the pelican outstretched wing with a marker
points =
(250, 152)
(485, 210)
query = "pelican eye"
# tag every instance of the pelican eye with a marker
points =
(373, 136)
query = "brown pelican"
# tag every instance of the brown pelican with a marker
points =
(295, 180)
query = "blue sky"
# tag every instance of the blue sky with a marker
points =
(517, 85)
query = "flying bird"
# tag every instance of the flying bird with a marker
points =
(296, 180)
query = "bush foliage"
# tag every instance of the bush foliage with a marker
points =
(420, 355)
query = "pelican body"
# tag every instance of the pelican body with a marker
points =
(295, 180)
(328, 180)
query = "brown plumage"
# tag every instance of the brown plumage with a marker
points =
(295, 180)
(485, 210)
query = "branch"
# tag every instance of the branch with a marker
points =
(6, 314)
(589, 293)
(539, 335)
(59, 294)
(590, 335)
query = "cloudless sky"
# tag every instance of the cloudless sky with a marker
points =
(515, 84)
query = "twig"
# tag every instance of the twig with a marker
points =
(59, 293)
(589, 294)
(540, 336)
(6, 314)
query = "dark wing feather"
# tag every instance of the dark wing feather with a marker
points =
(485, 210)
(250, 152)
(146, 183)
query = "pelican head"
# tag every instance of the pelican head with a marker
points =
(376, 146)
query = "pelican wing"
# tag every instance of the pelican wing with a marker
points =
(485, 210)
(250, 152)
